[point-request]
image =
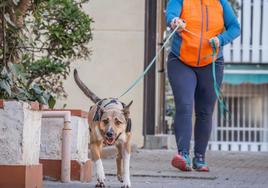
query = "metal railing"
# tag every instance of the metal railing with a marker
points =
(245, 127)
(252, 46)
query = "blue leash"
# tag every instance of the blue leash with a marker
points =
(217, 89)
(135, 82)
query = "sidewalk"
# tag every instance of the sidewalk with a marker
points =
(152, 169)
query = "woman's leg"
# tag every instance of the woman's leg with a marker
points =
(205, 98)
(183, 82)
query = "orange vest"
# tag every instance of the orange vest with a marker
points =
(204, 18)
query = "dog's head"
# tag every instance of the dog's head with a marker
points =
(113, 119)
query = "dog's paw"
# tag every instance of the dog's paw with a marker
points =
(99, 185)
(120, 178)
(100, 173)
(126, 184)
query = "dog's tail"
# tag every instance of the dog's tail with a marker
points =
(84, 88)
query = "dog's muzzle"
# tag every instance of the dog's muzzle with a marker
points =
(109, 141)
(110, 138)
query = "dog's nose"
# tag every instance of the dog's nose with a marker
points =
(109, 134)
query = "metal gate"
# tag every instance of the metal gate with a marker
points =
(252, 46)
(245, 126)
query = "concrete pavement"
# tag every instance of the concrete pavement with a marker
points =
(152, 169)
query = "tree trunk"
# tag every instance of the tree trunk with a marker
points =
(20, 12)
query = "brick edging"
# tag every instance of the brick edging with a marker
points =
(74, 112)
(1, 103)
(21, 176)
(79, 113)
(33, 105)
(80, 171)
(37, 106)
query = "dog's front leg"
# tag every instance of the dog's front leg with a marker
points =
(126, 164)
(96, 152)
(119, 160)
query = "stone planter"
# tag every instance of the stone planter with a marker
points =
(51, 145)
(20, 130)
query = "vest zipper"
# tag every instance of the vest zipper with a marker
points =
(206, 18)
(201, 35)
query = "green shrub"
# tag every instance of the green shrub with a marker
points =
(38, 41)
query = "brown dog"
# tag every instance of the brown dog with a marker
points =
(109, 124)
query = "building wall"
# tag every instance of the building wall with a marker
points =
(117, 57)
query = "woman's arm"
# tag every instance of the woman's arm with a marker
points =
(231, 24)
(173, 10)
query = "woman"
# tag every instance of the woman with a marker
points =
(190, 70)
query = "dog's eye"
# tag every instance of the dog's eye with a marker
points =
(117, 122)
(105, 121)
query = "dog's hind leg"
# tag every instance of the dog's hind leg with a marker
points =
(126, 160)
(96, 157)
(119, 161)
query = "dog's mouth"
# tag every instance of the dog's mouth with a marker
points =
(109, 140)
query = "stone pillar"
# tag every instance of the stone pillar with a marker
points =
(20, 129)
(51, 142)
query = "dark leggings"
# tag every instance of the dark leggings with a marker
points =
(191, 84)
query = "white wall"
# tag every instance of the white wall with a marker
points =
(51, 138)
(20, 130)
(118, 57)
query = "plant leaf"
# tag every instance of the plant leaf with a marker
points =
(37, 90)
(5, 86)
(7, 18)
(42, 99)
(51, 102)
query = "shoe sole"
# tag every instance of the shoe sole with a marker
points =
(179, 163)
(202, 169)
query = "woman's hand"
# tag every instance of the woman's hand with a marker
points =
(178, 22)
(217, 42)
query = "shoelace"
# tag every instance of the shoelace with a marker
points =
(200, 159)
(200, 162)
(186, 156)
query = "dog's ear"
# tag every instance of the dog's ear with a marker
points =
(126, 109)
(98, 114)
